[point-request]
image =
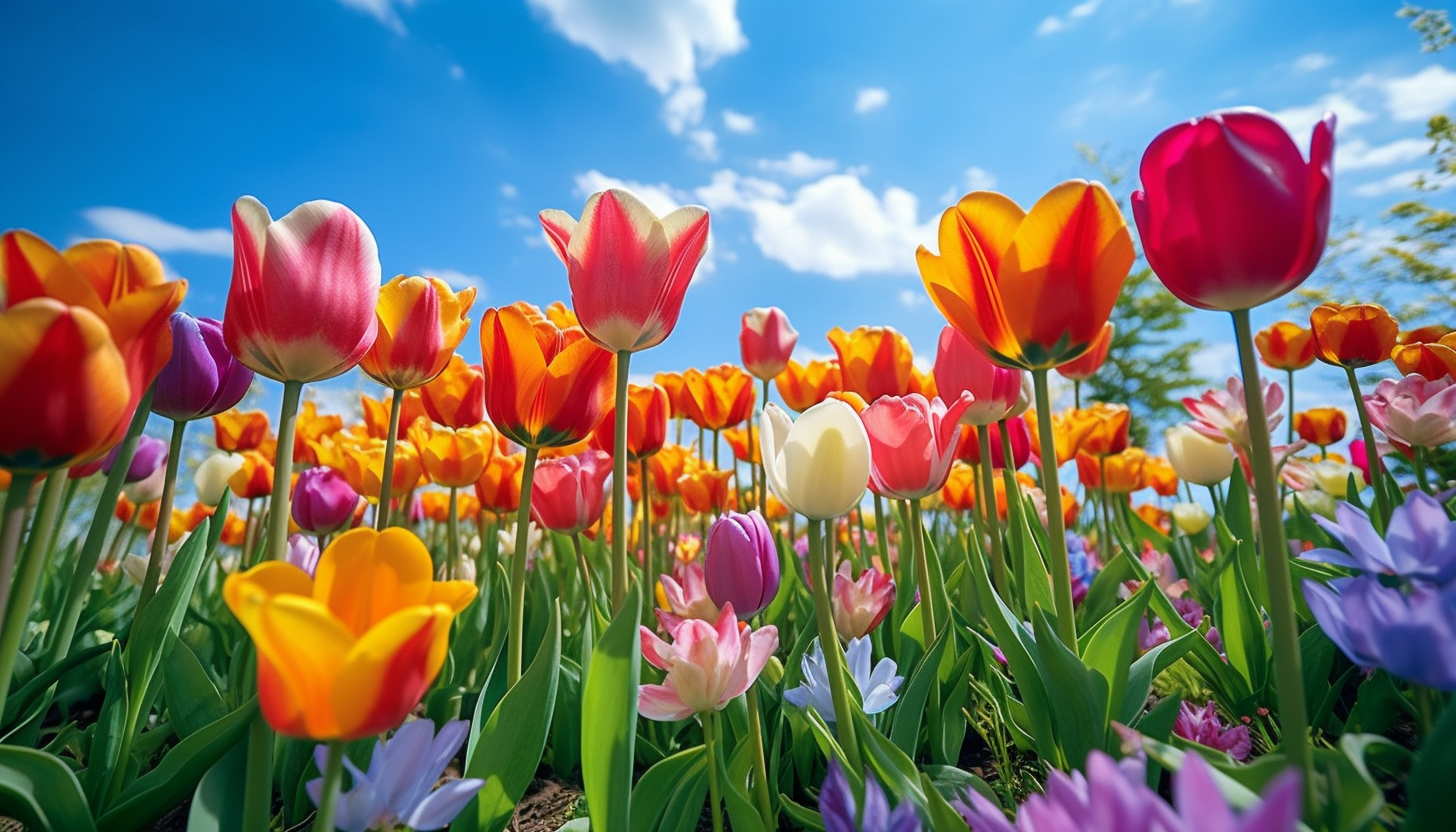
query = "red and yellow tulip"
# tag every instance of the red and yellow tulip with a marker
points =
(421, 321)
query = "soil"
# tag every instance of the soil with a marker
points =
(548, 804)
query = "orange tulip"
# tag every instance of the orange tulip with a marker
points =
(1357, 335)
(648, 407)
(148, 515)
(376, 413)
(349, 653)
(745, 445)
(874, 361)
(364, 467)
(706, 490)
(666, 467)
(1155, 517)
(546, 386)
(1433, 359)
(234, 530)
(1285, 346)
(1068, 433)
(560, 314)
(959, 491)
(1030, 289)
(309, 427)
(802, 386)
(499, 486)
(1321, 425)
(1108, 427)
(237, 431)
(850, 398)
(197, 514)
(722, 395)
(421, 322)
(255, 478)
(676, 392)
(453, 458)
(1159, 475)
(456, 397)
(436, 506)
(1087, 365)
(1124, 471)
(125, 508)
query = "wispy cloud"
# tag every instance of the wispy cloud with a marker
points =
(1356, 154)
(737, 122)
(132, 226)
(1418, 97)
(661, 197)
(869, 99)
(1051, 24)
(798, 164)
(1313, 62)
(459, 280)
(1111, 93)
(1403, 181)
(382, 11)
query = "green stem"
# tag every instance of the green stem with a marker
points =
(1077, 394)
(16, 597)
(386, 483)
(1420, 465)
(518, 571)
(164, 520)
(1288, 676)
(1061, 568)
(649, 562)
(1372, 457)
(710, 739)
(65, 624)
(12, 528)
(829, 642)
(586, 581)
(1106, 508)
(619, 488)
(922, 572)
(760, 766)
(258, 777)
(333, 777)
(278, 506)
(1289, 409)
(452, 546)
(993, 527)
(882, 533)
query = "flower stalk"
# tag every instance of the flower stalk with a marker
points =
(386, 482)
(1061, 567)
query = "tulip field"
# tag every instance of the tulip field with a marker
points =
(838, 595)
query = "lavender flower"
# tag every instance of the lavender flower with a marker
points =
(876, 687)
(399, 786)
(1410, 632)
(1202, 725)
(836, 805)
(1152, 631)
(1419, 545)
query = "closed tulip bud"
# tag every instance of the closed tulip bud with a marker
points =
(959, 366)
(201, 378)
(211, 477)
(453, 458)
(912, 443)
(648, 407)
(1191, 518)
(323, 501)
(303, 552)
(742, 563)
(254, 479)
(1320, 425)
(1086, 366)
(818, 465)
(1231, 216)
(150, 456)
(456, 397)
(860, 605)
(706, 490)
(802, 386)
(420, 323)
(874, 361)
(1197, 458)
(149, 488)
(1434, 360)
(721, 396)
(766, 341)
(1357, 335)
(1285, 346)
(499, 486)
(569, 493)
(1108, 432)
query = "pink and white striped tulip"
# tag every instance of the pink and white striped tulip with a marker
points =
(766, 341)
(304, 289)
(708, 665)
(627, 268)
(1221, 415)
(860, 605)
(959, 366)
(912, 443)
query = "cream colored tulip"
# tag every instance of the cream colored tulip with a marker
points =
(819, 465)
(1314, 502)
(1333, 477)
(1196, 458)
(1191, 518)
(211, 477)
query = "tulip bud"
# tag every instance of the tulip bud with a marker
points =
(150, 455)
(1333, 478)
(1196, 458)
(201, 378)
(742, 563)
(830, 454)
(147, 490)
(960, 366)
(860, 605)
(766, 341)
(1191, 518)
(569, 493)
(211, 477)
(323, 501)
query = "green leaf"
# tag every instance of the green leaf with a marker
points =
(1102, 595)
(801, 815)
(42, 792)
(1108, 648)
(743, 815)
(905, 730)
(42, 681)
(1240, 622)
(217, 803)
(1029, 563)
(1428, 788)
(609, 738)
(1080, 705)
(1228, 686)
(161, 620)
(510, 744)
(656, 788)
(106, 734)
(1147, 667)
(192, 699)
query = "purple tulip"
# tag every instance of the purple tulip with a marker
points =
(202, 378)
(1409, 632)
(742, 563)
(323, 501)
(1420, 544)
(150, 455)
(837, 806)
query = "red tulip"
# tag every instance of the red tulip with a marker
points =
(912, 443)
(569, 492)
(766, 341)
(1231, 215)
(959, 366)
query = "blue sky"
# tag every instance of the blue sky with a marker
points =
(825, 137)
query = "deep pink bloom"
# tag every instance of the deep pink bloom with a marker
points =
(1202, 725)
(860, 605)
(1222, 414)
(708, 666)
(301, 304)
(628, 269)
(912, 443)
(741, 562)
(569, 492)
(960, 367)
(766, 341)
(323, 501)
(1231, 215)
(1414, 412)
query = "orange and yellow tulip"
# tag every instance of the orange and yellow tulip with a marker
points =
(673, 384)
(1124, 471)
(453, 458)
(745, 445)
(1321, 425)
(364, 467)
(666, 466)
(706, 490)
(237, 431)
(1031, 289)
(648, 407)
(562, 315)
(959, 491)
(721, 395)
(1087, 365)
(802, 386)
(311, 426)
(1285, 346)
(546, 386)
(349, 653)
(1357, 335)
(874, 361)
(376, 413)
(1433, 359)
(456, 397)
(499, 487)
(1106, 428)
(1067, 432)
(255, 478)
(1159, 475)
(421, 322)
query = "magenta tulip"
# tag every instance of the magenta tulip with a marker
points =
(912, 443)
(323, 501)
(201, 379)
(569, 492)
(766, 341)
(960, 367)
(1231, 215)
(742, 563)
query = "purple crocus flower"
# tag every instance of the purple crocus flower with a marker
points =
(1202, 725)
(202, 378)
(1409, 632)
(1114, 797)
(398, 789)
(1419, 545)
(836, 806)
(741, 563)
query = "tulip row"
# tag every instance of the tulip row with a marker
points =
(869, 602)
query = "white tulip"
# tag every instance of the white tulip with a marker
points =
(819, 465)
(1196, 458)
(1191, 518)
(211, 478)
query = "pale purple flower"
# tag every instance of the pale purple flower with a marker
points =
(399, 787)
(1420, 543)
(1222, 414)
(1409, 632)
(876, 686)
(303, 552)
(837, 807)
(1202, 725)
(1414, 411)
(1152, 631)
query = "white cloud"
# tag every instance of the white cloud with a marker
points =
(1302, 119)
(704, 143)
(834, 226)
(1392, 183)
(1215, 362)
(1082, 10)
(737, 122)
(1051, 24)
(662, 198)
(979, 179)
(1418, 97)
(683, 107)
(1111, 95)
(1312, 62)
(910, 299)
(152, 231)
(457, 72)
(508, 190)
(382, 11)
(1356, 154)
(798, 164)
(459, 280)
(870, 98)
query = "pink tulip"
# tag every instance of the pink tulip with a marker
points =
(766, 341)
(301, 304)
(969, 448)
(1231, 215)
(912, 443)
(708, 666)
(569, 492)
(1414, 411)
(1222, 415)
(860, 605)
(959, 366)
(685, 597)
(628, 269)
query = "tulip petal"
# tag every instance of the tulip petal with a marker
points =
(387, 671)
(559, 227)
(661, 703)
(303, 646)
(364, 576)
(618, 266)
